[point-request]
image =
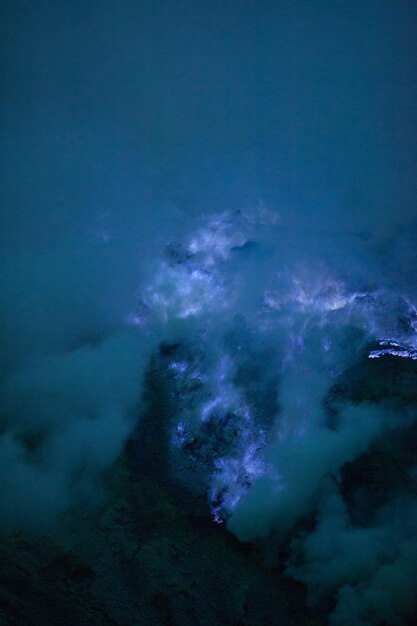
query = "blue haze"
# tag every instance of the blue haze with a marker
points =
(130, 125)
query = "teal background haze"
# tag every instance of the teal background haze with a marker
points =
(109, 107)
(126, 125)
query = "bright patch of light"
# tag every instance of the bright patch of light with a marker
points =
(178, 367)
(181, 292)
(216, 423)
(394, 349)
(214, 243)
(234, 475)
(314, 292)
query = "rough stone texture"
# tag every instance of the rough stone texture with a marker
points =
(142, 559)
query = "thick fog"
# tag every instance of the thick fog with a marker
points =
(239, 178)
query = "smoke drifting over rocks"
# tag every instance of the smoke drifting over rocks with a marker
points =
(265, 263)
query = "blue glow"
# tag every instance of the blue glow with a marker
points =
(394, 349)
(304, 311)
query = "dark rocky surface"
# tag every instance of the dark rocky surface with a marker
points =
(142, 559)
(152, 555)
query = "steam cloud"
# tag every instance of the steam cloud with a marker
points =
(277, 274)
